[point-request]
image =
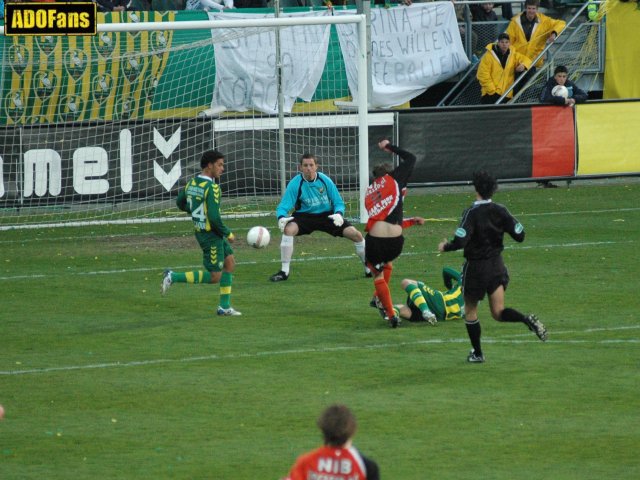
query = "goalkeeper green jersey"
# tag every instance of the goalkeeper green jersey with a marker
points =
(201, 198)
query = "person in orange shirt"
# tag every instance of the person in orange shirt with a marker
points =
(337, 459)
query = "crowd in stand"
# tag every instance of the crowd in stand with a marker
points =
(162, 5)
(505, 59)
(113, 5)
(166, 5)
(512, 56)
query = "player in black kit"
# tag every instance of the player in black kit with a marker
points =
(481, 233)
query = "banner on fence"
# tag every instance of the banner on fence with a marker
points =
(412, 49)
(608, 139)
(622, 69)
(246, 66)
(54, 79)
(131, 161)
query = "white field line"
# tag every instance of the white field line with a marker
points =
(299, 260)
(441, 219)
(579, 212)
(346, 348)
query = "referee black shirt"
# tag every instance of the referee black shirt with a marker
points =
(482, 229)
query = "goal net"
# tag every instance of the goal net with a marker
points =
(106, 129)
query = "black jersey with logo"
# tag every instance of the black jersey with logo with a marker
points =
(482, 229)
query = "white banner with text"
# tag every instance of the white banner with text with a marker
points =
(412, 49)
(246, 67)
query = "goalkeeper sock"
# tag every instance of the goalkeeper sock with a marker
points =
(225, 289)
(416, 297)
(197, 276)
(360, 250)
(286, 252)
(511, 315)
(384, 295)
(474, 331)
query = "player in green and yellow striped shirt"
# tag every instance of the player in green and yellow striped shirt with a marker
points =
(426, 304)
(201, 199)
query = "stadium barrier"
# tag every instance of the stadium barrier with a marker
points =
(519, 143)
(523, 142)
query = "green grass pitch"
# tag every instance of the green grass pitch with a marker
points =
(102, 378)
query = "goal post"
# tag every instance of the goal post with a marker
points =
(82, 140)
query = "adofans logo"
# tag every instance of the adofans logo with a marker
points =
(78, 18)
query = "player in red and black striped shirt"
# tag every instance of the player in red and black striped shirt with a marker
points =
(384, 241)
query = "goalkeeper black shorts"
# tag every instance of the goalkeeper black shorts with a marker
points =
(314, 222)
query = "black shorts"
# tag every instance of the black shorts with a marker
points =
(313, 222)
(378, 251)
(480, 277)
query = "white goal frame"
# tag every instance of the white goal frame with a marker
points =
(362, 95)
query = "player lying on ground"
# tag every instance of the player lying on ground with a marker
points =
(426, 304)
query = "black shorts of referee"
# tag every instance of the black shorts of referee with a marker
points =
(480, 277)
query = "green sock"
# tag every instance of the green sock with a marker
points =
(416, 297)
(198, 276)
(225, 289)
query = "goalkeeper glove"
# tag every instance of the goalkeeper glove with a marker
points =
(337, 219)
(282, 222)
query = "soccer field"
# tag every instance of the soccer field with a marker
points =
(102, 378)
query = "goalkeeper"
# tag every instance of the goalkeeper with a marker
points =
(426, 304)
(311, 202)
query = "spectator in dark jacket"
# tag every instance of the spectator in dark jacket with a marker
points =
(561, 77)
(487, 33)
(484, 12)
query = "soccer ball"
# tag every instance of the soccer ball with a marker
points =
(258, 237)
(560, 91)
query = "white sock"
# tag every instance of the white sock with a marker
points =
(286, 252)
(360, 249)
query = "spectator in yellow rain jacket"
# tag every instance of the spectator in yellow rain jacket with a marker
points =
(530, 31)
(498, 68)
